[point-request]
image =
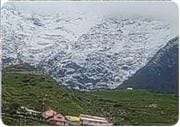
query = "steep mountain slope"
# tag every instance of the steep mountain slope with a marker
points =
(160, 73)
(31, 37)
(82, 50)
(108, 54)
(23, 85)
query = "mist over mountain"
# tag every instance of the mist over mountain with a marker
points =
(80, 50)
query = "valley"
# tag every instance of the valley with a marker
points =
(124, 107)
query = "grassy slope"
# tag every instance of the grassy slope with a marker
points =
(28, 88)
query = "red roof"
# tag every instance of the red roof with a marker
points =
(57, 118)
(48, 113)
(51, 115)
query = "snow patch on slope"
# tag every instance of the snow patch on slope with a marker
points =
(83, 50)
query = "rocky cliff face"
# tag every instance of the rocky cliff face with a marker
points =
(160, 73)
(81, 50)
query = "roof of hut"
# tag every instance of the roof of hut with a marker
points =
(53, 116)
(73, 118)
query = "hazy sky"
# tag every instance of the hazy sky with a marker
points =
(162, 10)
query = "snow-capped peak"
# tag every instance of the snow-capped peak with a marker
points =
(83, 50)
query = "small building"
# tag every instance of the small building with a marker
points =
(54, 118)
(89, 120)
(129, 88)
(73, 120)
(28, 111)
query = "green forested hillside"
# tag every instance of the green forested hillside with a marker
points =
(22, 86)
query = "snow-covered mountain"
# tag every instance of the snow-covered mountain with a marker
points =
(82, 50)
(160, 73)
(33, 36)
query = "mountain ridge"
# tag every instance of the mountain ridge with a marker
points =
(103, 56)
(160, 73)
